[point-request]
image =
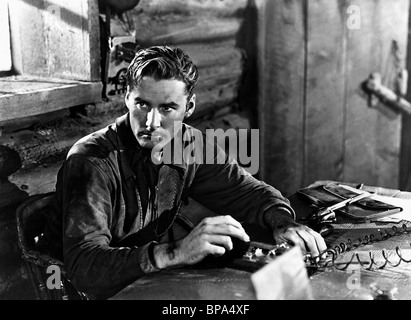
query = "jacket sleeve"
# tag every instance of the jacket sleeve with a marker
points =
(226, 188)
(86, 196)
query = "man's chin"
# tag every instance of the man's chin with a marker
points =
(147, 144)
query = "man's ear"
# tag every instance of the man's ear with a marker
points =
(126, 97)
(191, 105)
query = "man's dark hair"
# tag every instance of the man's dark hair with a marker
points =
(163, 63)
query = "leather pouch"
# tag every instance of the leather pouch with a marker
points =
(363, 210)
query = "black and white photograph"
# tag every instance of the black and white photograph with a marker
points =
(207, 157)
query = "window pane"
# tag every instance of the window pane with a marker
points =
(5, 53)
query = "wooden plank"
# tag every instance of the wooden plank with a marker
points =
(24, 97)
(211, 78)
(48, 142)
(27, 122)
(93, 41)
(218, 63)
(405, 160)
(211, 54)
(39, 146)
(26, 84)
(360, 158)
(189, 7)
(373, 134)
(59, 38)
(218, 82)
(41, 179)
(324, 152)
(225, 122)
(281, 38)
(175, 29)
(221, 68)
(212, 100)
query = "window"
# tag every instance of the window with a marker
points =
(53, 50)
(5, 49)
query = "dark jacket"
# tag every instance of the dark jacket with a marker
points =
(100, 225)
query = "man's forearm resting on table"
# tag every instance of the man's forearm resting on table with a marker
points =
(279, 217)
(164, 255)
(169, 255)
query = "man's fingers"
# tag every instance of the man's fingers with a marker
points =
(226, 230)
(224, 225)
(310, 242)
(292, 237)
(223, 220)
(218, 244)
(307, 239)
(321, 245)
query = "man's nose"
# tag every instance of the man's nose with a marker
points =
(153, 119)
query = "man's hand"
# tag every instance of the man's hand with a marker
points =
(304, 237)
(212, 236)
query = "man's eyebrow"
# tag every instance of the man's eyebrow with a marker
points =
(138, 99)
(169, 104)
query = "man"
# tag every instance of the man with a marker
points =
(118, 198)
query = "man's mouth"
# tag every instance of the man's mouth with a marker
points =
(150, 136)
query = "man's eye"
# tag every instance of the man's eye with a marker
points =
(167, 109)
(142, 105)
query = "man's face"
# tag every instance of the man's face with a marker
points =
(157, 108)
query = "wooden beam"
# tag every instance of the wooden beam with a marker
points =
(324, 133)
(28, 96)
(281, 43)
(177, 29)
(41, 179)
(207, 55)
(210, 101)
(50, 142)
(190, 7)
(372, 146)
(405, 168)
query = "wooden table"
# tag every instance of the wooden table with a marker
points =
(328, 283)
(356, 281)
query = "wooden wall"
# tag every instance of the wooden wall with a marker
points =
(405, 168)
(315, 120)
(209, 32)
(212, 32)
(291, 68)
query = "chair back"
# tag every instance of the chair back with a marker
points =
(41, 265)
